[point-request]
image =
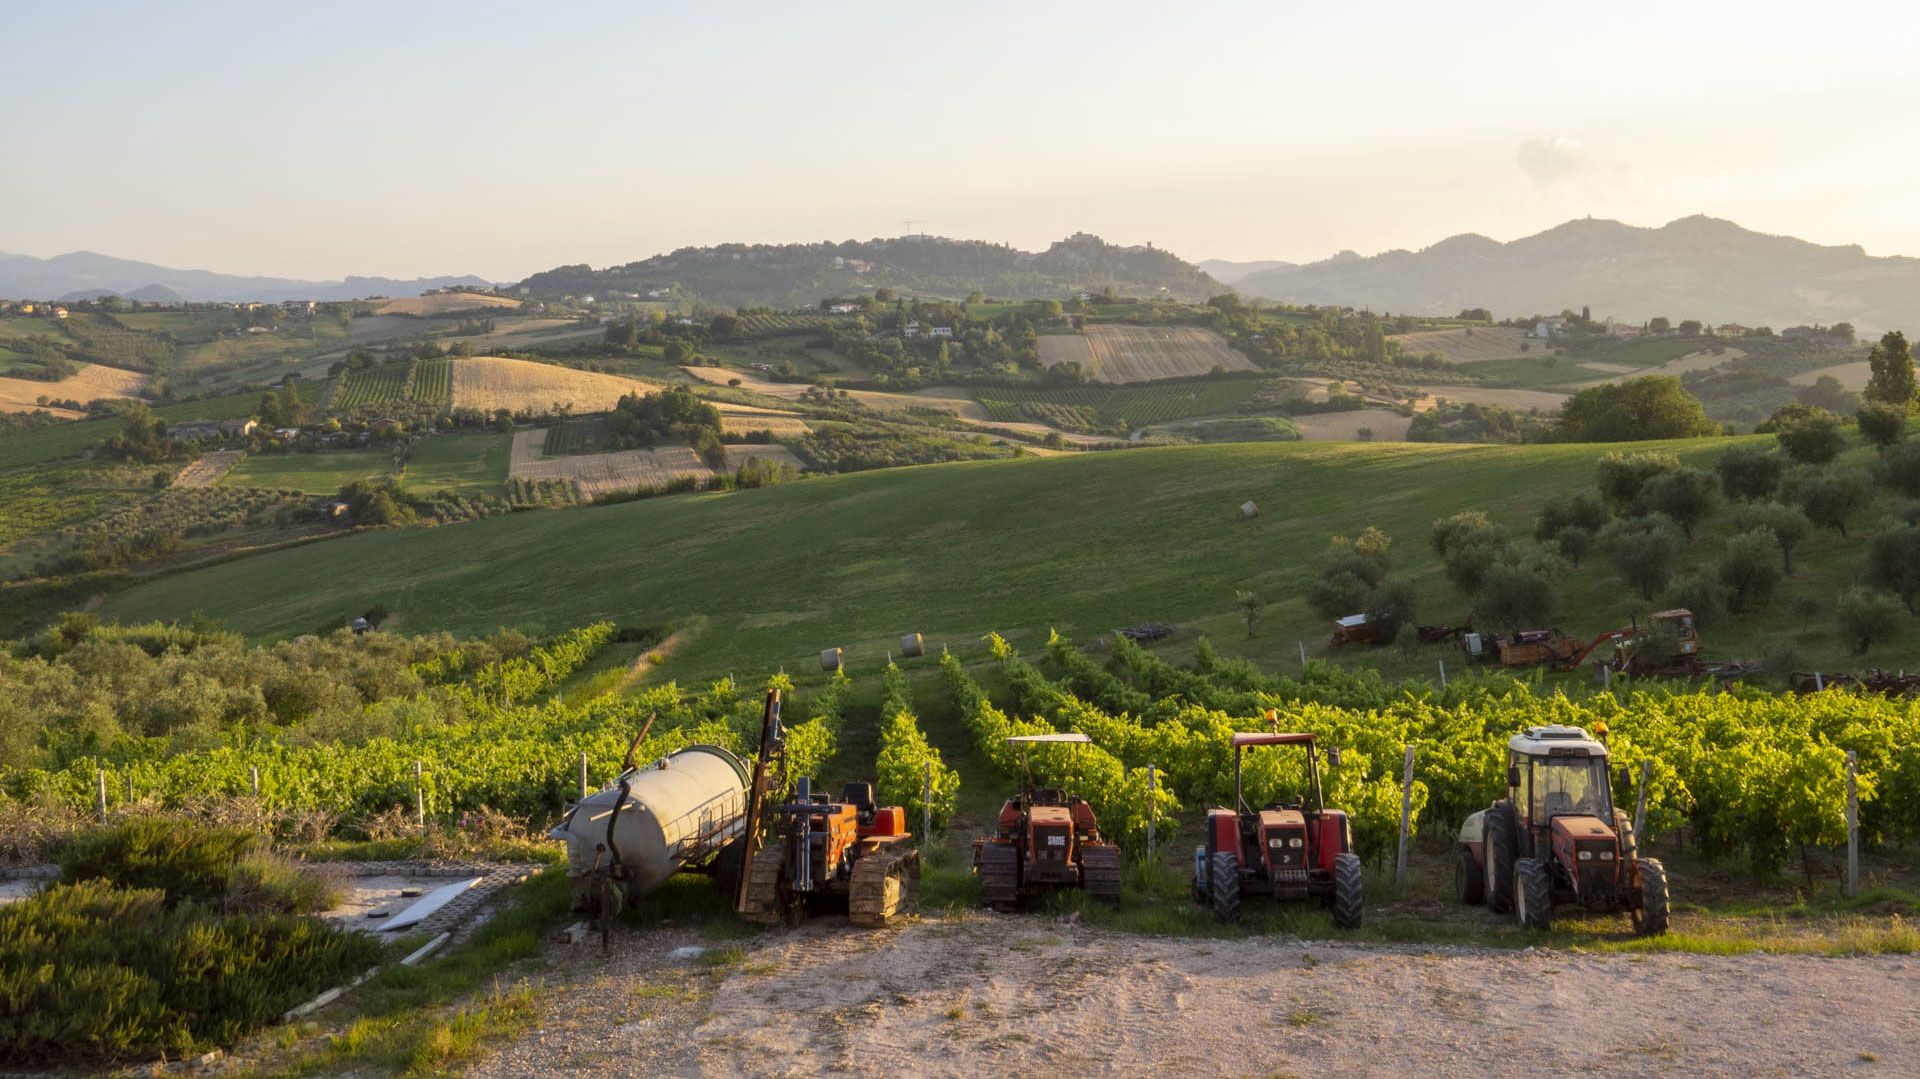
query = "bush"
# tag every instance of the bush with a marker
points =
(1868, 617)
(1882, 424)
(1898, 467)
(1750, 474)
(1562, 512)
(1827, 496)
(1392, 605)
(1687, 495)
(1621, 475)
(1516, 595)
(1811, 437)
(1787, 525)
(1700, 592)
(1573, 543)
(137, 973)
(1893, 561)
(1748, 570)
(188, 862)
(1644, 550)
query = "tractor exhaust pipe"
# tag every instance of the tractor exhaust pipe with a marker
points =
(803, 872)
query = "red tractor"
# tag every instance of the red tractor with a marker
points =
(1557, 838)
(825, 854)
(1045, 839)
(1300, 850)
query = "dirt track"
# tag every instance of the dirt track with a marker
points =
(996, 995)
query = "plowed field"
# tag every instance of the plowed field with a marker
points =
(1142, 353)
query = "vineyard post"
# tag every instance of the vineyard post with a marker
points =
(1406, 812)
(1443, 674)
(1151, 812)
(129, 788)
(1640, 797)
(926, 805)
(1303, 655)
(253, 779)
(1853, 826)
(583, 775)
(102, 775)
(419, 800)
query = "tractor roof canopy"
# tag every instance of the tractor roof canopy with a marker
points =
(1556, 741)
(1271, 739)
(1071, 736)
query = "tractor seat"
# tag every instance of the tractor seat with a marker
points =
(860, 797)
(1049, 796)
(1558, 803)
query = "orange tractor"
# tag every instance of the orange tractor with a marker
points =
(1550, 649)
(1557, 838)
(1300, 850)
(828, 854)
(1045, 839)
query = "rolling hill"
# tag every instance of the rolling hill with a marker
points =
(796, 275)
(86, 274)
(1082, 543)
(1695, 267)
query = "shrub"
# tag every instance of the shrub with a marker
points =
(1866, 617)
(267, 883)
(1749, 473)
(1621, 475)
(1700, 592)
(140, 973)
(1687, 495)
(1827, 496)
(1748, 570)
(1644, 550)
(188, 862)
(1787, 525)
(1516, 595)
(1573, 543)
(1898, 467)
(1391, 605)
(1811, 437)
(1893, 561)
(1882, 424)
(1562, 512)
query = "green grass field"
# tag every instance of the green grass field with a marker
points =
(68, 439)
(464, 464)
(1547, 372)
(314, 473)
(1082, 543)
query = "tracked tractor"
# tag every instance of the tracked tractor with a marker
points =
(1046, 839)
(1557, 838)
(826, 855)
(1288, 850)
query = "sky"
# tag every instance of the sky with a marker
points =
(406, 139)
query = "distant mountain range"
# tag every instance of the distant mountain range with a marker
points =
(1696, 267)
(1231, 273)
(795, 275)
(85, 275)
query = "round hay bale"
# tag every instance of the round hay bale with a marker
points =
(911, 646)
(1248, 509)
(830, 660)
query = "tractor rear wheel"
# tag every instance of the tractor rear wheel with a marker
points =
(1650, 918)
(1223, 885)
(1533, 894)
(1349, 904)
(1469, 880)
(1500, 831)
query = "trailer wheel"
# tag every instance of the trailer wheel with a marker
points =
(1650, 918)
(1533, 894)
(1223, 885)
(1469, 880)
(1500, 831)
(1349, 903)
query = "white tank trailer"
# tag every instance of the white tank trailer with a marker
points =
(680, 812)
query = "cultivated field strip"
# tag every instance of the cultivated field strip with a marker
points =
(769, 455)
(208, 469)
(1145, 353)
(491, 383)
(595, 474)
(90, 382)
(1466, 345)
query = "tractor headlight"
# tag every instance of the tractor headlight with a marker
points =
(1606, 856)
(1296, 841)
(1586, 856)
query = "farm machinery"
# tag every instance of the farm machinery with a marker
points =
(1298, 850)
(1045, 839)
(1551, 649)
(826, 854)
(821, 853)
(1557, 838)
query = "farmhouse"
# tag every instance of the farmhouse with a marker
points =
(193, 432)
(1730, 329)
(237, 428)
(1548, 327)
(843, 308)
(940, 331)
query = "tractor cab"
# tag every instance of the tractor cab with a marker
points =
(1557, 781)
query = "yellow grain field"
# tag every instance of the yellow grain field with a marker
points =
(489, 383)
(90, 382)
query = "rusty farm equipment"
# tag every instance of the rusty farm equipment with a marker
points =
(1297, 850)
(1045, 839)
(825, 854)
(1557, 838)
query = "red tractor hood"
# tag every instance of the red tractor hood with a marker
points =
(1577, 828)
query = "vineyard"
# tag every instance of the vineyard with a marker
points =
(1105, 408)
(772, 325)
(433, 380)
(380, 384)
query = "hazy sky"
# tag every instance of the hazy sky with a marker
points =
(402, 138)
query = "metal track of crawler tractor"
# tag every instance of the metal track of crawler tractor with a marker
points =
(1100, 871)
(999, 876)
(884, 884)
(763, 902)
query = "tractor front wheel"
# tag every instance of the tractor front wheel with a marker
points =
(1348, 902)
(1469, 880)
(1533, 894)
(1223, 885)
(1650, 918)
(1500, 831)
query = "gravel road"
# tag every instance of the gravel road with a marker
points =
(1015, 996)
